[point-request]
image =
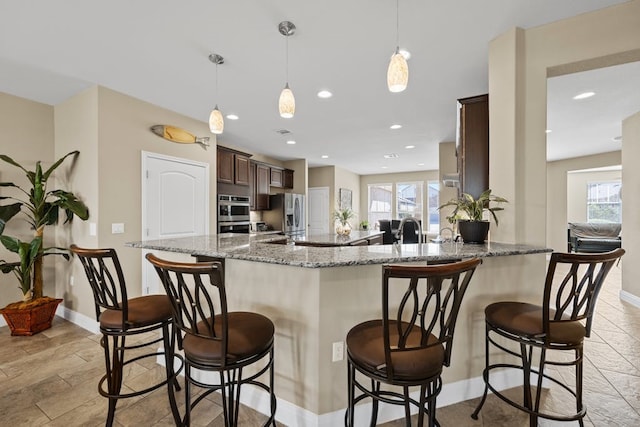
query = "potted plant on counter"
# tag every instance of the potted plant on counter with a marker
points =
(364, 225)
(469, 214)
(342, 216)
(40, 207)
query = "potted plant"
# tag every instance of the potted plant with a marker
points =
(343, 216)
(40, 207)
(469, 215)
(364, 225)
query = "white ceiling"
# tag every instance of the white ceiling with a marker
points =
(158, 51)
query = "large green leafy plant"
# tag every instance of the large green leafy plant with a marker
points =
(467, 207)
(40, 207)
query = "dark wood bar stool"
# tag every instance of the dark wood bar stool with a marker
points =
(119, 318)
(216, 340)
(561, 323)
(412, 342)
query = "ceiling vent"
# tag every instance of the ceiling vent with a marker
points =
(283, 131)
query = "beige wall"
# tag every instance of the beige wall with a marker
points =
(336, 178)
(577, 191)
(631, 204)
(448, 164)
(113, 129)
(557, 195)
(26, 137)
(519, 63)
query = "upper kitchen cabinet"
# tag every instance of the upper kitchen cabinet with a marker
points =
(281, 178)
(233, 166)
(472, 144)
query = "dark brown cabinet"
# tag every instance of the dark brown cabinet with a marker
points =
(232, 166)
(262, 181)
(287, 178)
(276, 177)
(472, 144)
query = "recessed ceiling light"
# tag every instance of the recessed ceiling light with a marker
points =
(420, 164)
(391, 156)
(385, 167)
(409, 147)
(394, 127)
(548, 131)
(232, 117)
(324, 94)
(584, 95)
(324, 156)
(291, 142)
(405, 53)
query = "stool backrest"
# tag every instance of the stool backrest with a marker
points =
(572, 286)
(198, 297)
(104, 274)
(428, 301)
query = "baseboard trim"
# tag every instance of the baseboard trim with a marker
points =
(630, 298)
(85, 322)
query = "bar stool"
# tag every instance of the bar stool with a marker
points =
(412, 342)
(119, 318)
(215, 339)
(560, 324)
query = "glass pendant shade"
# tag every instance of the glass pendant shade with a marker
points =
(216, 121)
(397, 73)
(287, 103)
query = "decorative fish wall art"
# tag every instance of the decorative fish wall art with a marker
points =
(176, 134)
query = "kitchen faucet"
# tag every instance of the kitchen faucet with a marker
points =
(401, 226)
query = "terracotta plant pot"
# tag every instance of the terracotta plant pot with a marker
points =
(30, 318)
(473, 231)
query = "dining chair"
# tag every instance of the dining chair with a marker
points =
(214, 339)
(121, 318)
(572, 285)
(411, 344)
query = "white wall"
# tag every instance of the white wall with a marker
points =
(631, 207)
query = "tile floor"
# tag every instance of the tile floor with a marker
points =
(50, 379)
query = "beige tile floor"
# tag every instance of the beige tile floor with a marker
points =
(50, 379)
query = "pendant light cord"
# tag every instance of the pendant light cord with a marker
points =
(216, 83)
(286, 69)
(397, 24)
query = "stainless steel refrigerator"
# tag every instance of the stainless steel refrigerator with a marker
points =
(287, 213)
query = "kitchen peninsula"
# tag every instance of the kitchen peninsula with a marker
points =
(314, 295)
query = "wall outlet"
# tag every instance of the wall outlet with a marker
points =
(338, 351)
(117, 228)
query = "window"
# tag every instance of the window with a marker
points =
(379, 205)
(409, 199)
(603, 201)
(433, 202)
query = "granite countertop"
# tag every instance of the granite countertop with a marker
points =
(256, 247)
(333, 239)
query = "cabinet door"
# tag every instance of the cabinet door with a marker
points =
(225, 167)
(287, 178)
(252, 186)
(473, 145)
(241, 170)
(276, 177)
(263, 178)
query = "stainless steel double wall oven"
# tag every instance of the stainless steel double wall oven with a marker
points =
(233, 214)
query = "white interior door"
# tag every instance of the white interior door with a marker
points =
(175, 203)
(318, 210)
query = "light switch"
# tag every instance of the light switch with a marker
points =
(93, 229)
(117, 228)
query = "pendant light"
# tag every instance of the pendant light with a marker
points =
(398, 71)
(216, 121)
(287, 102)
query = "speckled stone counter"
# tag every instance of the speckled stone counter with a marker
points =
(333, 239)
(261, 248)
(314, 295)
